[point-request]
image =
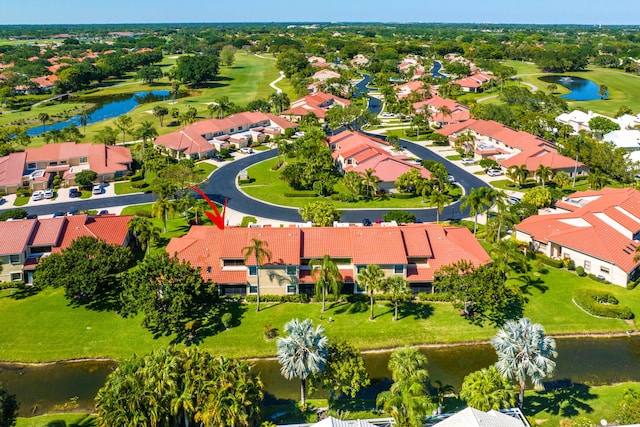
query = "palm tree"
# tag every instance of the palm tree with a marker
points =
(260, 250)
(309, 120)
(144, 231)
(280, 101)
(146, 131)
(200, 207)
(162, 208)
(44, 118)
(124, 123)
(445, 111)
(439, 200)
(371, 278)
(84, 119)
(302, 352)
(544, 173)
(476, 201)
(398, 288)
(221, 107)
(486, 389)
(442, 390)
(282, 145)
(596, 180)
(327, 276)
(603, 91)
(524, 351)
(160, 111)
(370, 182)
(408, 398)
(518, 174)
(562, 179)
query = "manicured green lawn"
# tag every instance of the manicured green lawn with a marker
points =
(201, 169)
(269, 187)
(45, 327)
(58, 420)
(21, 201)
(624, 88)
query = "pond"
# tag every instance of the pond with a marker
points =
(435, 71)
(592, 361)
(581, 89)
(107, 107)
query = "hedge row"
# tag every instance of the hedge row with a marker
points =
(278, 298)
(603, 304)
(556, 263)
(12, 285)
(308, 193)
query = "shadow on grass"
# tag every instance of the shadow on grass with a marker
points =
(562, 398)
(208, 322)
(354, 307)
(419, 311)
(287, 411)
(528, 282)
(25, 292)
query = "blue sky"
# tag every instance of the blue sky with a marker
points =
(611, 12)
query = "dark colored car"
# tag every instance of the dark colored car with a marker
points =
(58, 214)
(73, 192)
(103, 212)
(32, 216)
(73, 212)
(366, 222)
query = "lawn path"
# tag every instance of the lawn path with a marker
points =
(273, 83)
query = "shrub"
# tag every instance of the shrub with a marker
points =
(143, 214)
(245, 181)
(602, 304)
(580, 271)
(304, 193)
(139, 184)
(13, 213)
(632, 285)
(571, 265)
(436, 296)
(403, 195)
(246, 220)
(227, 318)
(12, 285)
(556, 263)
(299, 298)
(345, 197)
(269, 332)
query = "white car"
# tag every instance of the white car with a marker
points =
(48, 194)
(246, 150)
(97, 189)
(495, 172)
(469, 161)
(37, 195)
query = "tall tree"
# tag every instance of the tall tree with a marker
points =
(44, 118)
(302, 352)
(524, 351)
(261, 253)
(125, 124)
(518, 174)
(327, 276)
(345, 371)
(408, 399)
(439, 200)
(8, 408)
(370, 182)
(144, 232)
(371, 278)
(544, 173)
(160, 111)
(477, 202)
(162, 208)
(398, 288)
(486, 389)
(280, 101)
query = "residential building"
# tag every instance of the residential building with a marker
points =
(471, 417)
(25, 241)
(579, 120)
(354, 151)
(205, 138)
(510, 147)
(433, 108)
(628, 139)
(406, 89)
(598, 230)
(475, 83)
(412, 251)
(317, 104)
(35, 168)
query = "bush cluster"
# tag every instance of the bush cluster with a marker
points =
(556, 263)
(279, 298)
(601, 304)
(13, 213)
(12, 285)
(403, 195)
(307, 193)
(436, 296)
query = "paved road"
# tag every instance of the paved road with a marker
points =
(93, 203)
(223, 183)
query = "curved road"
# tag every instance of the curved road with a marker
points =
(222, 183)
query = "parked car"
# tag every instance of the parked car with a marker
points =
(451, 179)
(73, 192)
(495, 172)
(513, 200)
(246, 150)
(469, 161)
(103, 212)
(73, 212)
(37, 195)
(48, 194)
(58, 214)
(32, 216)
(97, 189)
(366, 222)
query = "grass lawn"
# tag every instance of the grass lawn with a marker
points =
(201, 169)
(269, 187)
(45, 327)
(57, 420)
(21, 201)
(624, 88)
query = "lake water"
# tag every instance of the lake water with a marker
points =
(435, 71)
(107, 108)
(591, 361)
(581, 89)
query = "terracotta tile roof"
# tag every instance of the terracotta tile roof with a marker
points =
(11, 168)
(105, 159)
(45, 82)
(205, 247)
(15, 235)
(602, 224)
(113, 229)
(317, 103)
(534, 157)
(57, 152)
(47, 232)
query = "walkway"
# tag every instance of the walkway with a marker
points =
(273, 83)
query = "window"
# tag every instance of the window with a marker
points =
(587, 266)
(16, 276)
(292, 270)
(14, 258)
(291, 289)
(233, 262)
(253, 289)
(53, 163)
(32, 165)
(398, 269)
(253, 270)
(360, 268)
(209, 269)
(604, 270)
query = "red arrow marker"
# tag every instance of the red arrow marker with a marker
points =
(216, 218)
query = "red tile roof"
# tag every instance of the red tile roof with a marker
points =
(47, 232)
(15, 235)
(602, 224)
(317, 103)
(113, 229)
(205, 247)
(11, 168)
